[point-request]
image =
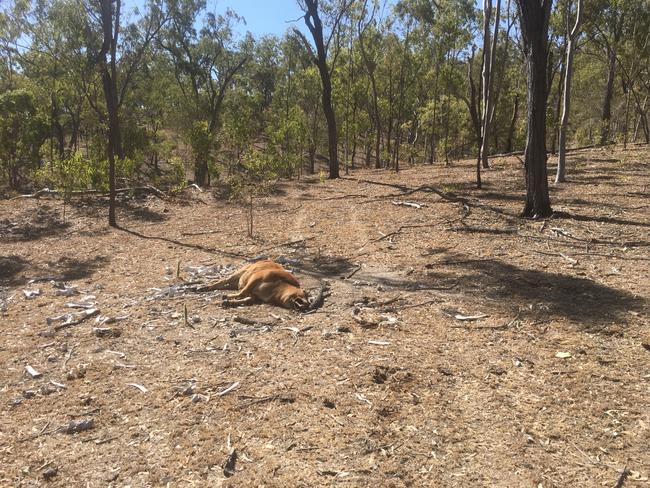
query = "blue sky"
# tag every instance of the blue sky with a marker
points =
(262, 16)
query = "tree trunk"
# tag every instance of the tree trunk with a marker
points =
(566, 99)
(473, 102)
(111, 29)
(558, 107)
(370, 68)
(432, 146)
(496, 92)
(313, 22)
(57, 128)
(488, 67)
(609, 95)
(534, 17)
(513, 122)
(368, 146)
(201, 172)
(400, 104)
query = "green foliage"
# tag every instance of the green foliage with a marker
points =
(76, 172)
(251, 109)
(22, 131)
(201, 140)
(177, 173)
(68, 174)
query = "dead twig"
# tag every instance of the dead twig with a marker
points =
(286, 244)
(229, 389)
(201, 233)
(67, 357)
(489, 327)
(421, 304)
(269, 398)
(34, 436)
(391, 234)
(350, 275)
(621, 479)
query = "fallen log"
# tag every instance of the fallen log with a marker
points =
(76, 193)
(572, 149)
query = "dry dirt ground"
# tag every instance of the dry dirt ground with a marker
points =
(384, 385)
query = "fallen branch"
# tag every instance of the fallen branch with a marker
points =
(421, 304)
(269, 398)
(38, 194)
(408, 204)
(48, 191)
(491, 327)
(71, 319)
(573, 149)
(350, 275)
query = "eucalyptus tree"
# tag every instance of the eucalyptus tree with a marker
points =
(572, 37)
(489, 56)
(313, 17)
(116, 50)
(366, 28)
(534, 18)
(606, 26)
(205, 63)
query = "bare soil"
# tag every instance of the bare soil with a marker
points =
(385, 385)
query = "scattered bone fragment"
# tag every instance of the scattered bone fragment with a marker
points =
(31, 294)
(32, 372)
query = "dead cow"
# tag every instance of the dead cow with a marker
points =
(263, 281)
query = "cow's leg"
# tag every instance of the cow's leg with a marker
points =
(236, 302)
(230, 283)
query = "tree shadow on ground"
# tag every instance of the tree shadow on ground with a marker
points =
(75, 269)
(580, 300)
(602, 220)
(145, 214)
(326, 266)
(16, 271)
(500, 196)
(563, 296)
(45, 222)
(129, 206)
(468, 229)
(593, 180)
(446, 196)
(10, 269)
(186, 245)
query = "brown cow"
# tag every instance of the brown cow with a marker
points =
(263, 281)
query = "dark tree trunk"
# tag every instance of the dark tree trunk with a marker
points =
(534, 17)
(201, 172)
(566, 94)
(558, 106)
(609, 95)
(370, 68)
(57, 128)
(432, 147)
(313, 22)
(111, 28)
(513, 122)
(354, 151)
(368, 148)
